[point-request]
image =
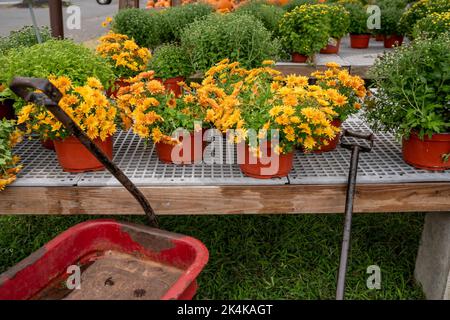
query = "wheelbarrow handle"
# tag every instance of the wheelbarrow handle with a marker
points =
(49, 96)
(359, 135)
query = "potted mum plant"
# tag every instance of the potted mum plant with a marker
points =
(345, 94)
(54, 57)
(125, 56)
(158, 115)
(412, 100)
(9, 167)
(90, 109)
(359, 34)
(171, 65)
(339, 20)
(270, 115)
(432, 25)
(304, 31)
(419, 10)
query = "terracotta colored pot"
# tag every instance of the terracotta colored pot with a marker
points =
(7, 109)
(392, 41)
(379, 37)
(119, 83)
(172, 84)
(427, 153)
(48, 144)
(74, 157)
(332, 47)
(299, 58)
(359, 41)
(332, 144)
(166, 152)
(257, 167)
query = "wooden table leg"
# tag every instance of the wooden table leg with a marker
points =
(433, 259)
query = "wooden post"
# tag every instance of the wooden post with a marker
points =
(128, 4)
(56, 18)
(433, 258)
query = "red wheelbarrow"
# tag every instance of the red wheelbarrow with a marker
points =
(112, 260)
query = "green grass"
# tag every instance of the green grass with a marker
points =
(267, 257)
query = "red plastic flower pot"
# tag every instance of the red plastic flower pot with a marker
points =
(48, 144)
(7, 109)
(264, 167)
(175, 154)
(172, 84)
(332, 144)
(379, 37)
(299, 58)
(169, 265)
(359, 41)
(332, 48)
(427, 153)
(119, 83)
(392, 41)
(74, 157)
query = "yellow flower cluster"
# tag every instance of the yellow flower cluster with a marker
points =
(107, 22)
(347, 92)
(10, 167)
(152, 112)
(9, 175)
(262, 99)
(125, 55)
(86, 105)
(232, 97)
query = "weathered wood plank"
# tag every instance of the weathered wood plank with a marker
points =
(413, 197)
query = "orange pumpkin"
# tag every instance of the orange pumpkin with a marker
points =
(224, 5)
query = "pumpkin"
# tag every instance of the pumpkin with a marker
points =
(223, 5)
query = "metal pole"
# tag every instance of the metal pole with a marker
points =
(33, 19)
(56, 18)
(123, 4)
(347, 223)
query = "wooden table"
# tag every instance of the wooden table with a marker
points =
(317, 184)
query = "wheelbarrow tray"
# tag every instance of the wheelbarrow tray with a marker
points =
(116, 260)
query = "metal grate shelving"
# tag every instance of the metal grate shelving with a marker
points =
(140, 162)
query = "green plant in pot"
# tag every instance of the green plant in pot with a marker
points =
(359, 33)
(238, 37)
(171, 65)
(25, 37)
(391, 28)
(412, 100)
(432, 25)
(304, 31)
(270, 15)
(339, 20)
(420, 10)
(145, 27)
(175, 19)
(292, 4)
